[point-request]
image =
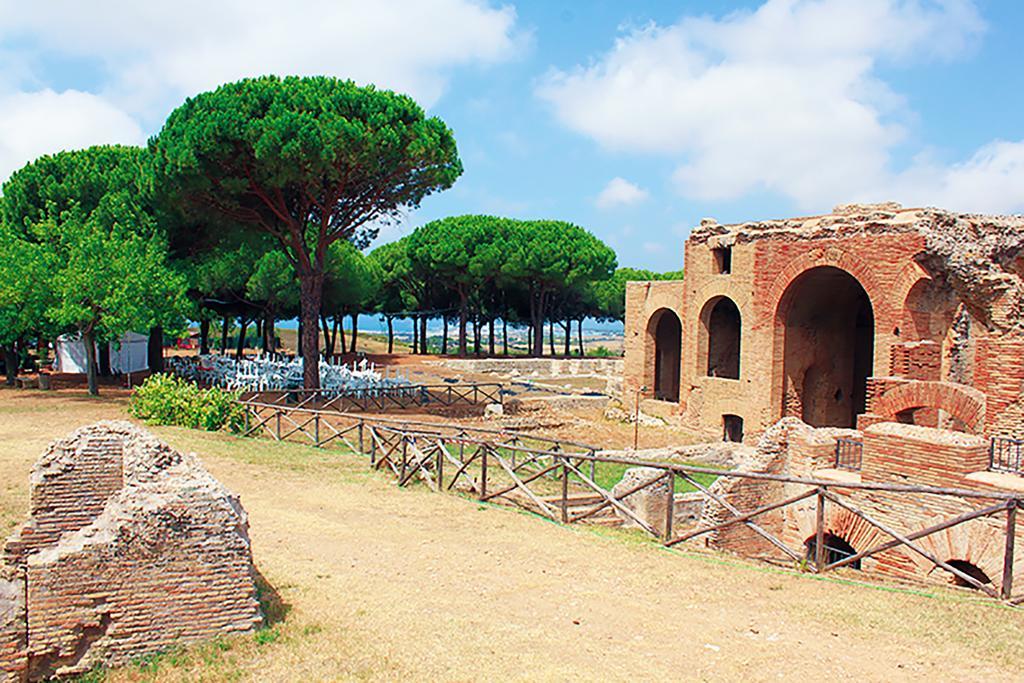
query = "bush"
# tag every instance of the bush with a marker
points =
(602, 352)
(170, 400)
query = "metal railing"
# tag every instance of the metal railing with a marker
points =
(559, 480)
(1006, 454)
(381, 398)
(849, 454)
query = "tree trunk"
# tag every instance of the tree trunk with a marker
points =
(155, 349)
(424, 342)
(336, 325)
(476, 336)
(391, 335)
(328, 341)
(243, 326)
(268, 332)
(104, 360)
(90, 363)
(537, 319)
(299, 339)
(342, 336)
(311, 299)
(355, 331)
(10, 364)
(204, 337)
(415, 337)
(224, 336)
(551, 336)
(444, 336)
(463, 314)
(568, 335)
(504, 337)
(582, 353)
(490, 337)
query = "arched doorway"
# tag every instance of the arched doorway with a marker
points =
(722, 329)
(666, 332)
(970, 569)
(828, 332)
(837, 548)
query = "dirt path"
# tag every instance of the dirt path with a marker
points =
(387, 583)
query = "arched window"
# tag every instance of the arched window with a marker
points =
(721, 320)
(836, 548)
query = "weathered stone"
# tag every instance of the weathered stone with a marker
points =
(131, 547)
(650, 502)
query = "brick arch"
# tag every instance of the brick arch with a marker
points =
(911, 274)
(858, 268)
(962, 402)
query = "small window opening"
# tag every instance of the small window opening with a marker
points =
(972, 570)
(723, 260)
(836, 549)
(732, 428)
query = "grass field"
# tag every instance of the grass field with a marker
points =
(380, 583)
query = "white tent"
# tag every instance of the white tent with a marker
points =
(128, 354)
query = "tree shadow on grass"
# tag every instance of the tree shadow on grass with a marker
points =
(275, 609)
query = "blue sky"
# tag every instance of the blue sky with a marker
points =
(634, 120)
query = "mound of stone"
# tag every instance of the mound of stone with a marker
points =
(131, 547)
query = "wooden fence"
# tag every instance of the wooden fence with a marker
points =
(561, 481)
(381, 398)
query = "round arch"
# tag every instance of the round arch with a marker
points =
(664, 347)
(824, 347)
(964, 403)
(720, 336)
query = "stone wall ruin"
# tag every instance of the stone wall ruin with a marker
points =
(131, 547)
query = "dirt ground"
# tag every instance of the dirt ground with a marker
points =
(382, 583)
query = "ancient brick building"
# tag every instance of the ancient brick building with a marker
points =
(131, 547)
(872, 313)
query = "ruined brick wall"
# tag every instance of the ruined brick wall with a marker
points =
(163, 558)
(893, 453)
(646, 302)
(937, 313)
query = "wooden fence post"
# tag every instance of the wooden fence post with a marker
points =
(483, 473)
(373, 447)
(819, 534)
(362, 448)
(670, 506)
(278, 415)
(405, 443)
(1011, 531)
(440, 466)
(565, 492)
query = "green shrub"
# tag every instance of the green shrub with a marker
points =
(170, 400)
(602, 352)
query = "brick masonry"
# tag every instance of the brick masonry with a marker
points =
(130, 547)
(935, 318)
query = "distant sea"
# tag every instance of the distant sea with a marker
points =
(373, 323)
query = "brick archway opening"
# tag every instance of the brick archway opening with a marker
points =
(721, 329)
(972, 570)
(920, 402)
(836, 548)
(828, 332)
(665, 332)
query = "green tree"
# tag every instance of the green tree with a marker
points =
(311, 161)
(464, 253)
(550, 258)
(349, 288)
(87, 212)
(24, 294)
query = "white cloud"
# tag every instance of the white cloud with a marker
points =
(146, 57)
(43, 122)
(991, 181)
(620, 192)
(785, 98)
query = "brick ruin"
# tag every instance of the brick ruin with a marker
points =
(872, 313)
(131, 547)
(900, 331)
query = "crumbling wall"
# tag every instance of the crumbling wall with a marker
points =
(131, 547)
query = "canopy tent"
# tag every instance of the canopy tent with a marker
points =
(127, 354)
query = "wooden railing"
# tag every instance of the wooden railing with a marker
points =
(561, 481)
(382, 398)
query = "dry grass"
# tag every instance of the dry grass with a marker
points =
(386, 583)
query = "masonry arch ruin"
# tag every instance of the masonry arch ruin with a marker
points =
(721, 332)
(825, 327)
(665, 339)
(964, 404)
